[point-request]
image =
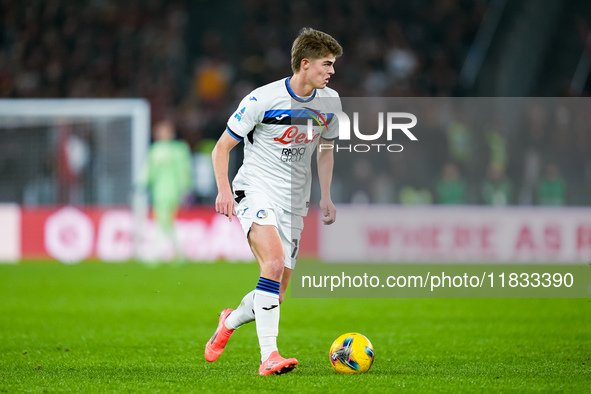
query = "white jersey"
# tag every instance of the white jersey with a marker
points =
(278, 142)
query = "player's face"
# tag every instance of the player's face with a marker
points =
(320, 70)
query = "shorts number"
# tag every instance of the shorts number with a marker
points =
(294, 251)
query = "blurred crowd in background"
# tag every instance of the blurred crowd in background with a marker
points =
(93, 49)
(465, 154)
(194, 60)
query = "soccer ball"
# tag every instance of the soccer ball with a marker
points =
(351, 353)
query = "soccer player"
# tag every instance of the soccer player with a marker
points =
(272, 187)
(169, 179)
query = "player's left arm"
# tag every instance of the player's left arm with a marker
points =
(325, 160)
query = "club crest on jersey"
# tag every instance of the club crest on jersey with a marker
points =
(262, 214)
(317, 116)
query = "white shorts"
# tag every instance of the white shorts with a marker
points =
(256, 208)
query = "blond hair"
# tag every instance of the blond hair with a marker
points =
(312, 44)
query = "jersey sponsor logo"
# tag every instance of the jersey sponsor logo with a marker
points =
(281, 117)
(292, 135)
(293, 155)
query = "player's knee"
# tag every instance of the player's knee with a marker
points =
(277, 265)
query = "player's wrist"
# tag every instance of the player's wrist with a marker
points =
(225, 189)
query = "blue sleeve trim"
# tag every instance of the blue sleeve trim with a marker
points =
(236, 136)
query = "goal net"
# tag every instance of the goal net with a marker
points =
(81, 152)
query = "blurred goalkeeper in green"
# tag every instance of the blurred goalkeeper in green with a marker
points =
(168, 178)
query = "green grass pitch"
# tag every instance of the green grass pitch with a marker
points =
(99, 327)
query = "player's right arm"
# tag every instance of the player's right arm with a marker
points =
(220, 157)
(248, 114)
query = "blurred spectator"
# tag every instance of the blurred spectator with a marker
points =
(497, 145)
(551, 187)
(213, 73)
(73, 159)
(451, 188)
(401, 60)
(411, 196)
(459, 139)
(536, 146)
(211, 81)
(496, 188)
(361, 182)
(383, 189)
